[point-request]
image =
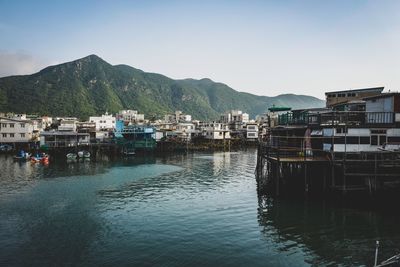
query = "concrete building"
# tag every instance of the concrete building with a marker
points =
(215, 131)
(383, 109)
(63, 139)
(177, 117)
(234, 116)
(105, 122)
(252, 131)
(130, 116)
(18, 129)
(338, 97)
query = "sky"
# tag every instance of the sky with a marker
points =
(261, 47)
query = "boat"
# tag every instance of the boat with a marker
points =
(72, 156)
(129, 152)
(43, 158)
(22, 156)
(84, 154)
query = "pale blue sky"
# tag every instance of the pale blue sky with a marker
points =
(261, 47)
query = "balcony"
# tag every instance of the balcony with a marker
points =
(351, 118)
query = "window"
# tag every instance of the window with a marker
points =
(11, 135)
(378, 131)
(4, 135)
(341, 130)
(22, 125)
(393, 139)
(339, 140)
(352, 140)
(4, 125)
(11, 125)
(382, 140)
(374, 140)
(364, 140)
(22, 135)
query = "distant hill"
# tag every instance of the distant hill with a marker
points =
(90, 86)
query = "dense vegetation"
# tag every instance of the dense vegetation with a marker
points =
(90, 86)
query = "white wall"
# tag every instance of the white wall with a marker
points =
(104, 122)
(17, 131)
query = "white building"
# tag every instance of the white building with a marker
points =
(177, 117)
(17, 129)
(215, 131)
(130, 116)
(185, 130)
(104, 123)
(63, 139)
(252, 131)
(234, 116)
(67, 124)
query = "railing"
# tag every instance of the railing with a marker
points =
(65, 143)
(336, 118)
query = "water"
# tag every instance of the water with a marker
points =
(198, 209)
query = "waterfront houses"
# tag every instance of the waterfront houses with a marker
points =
(349, 146)
(215, 131)
(177, 117)
(16, 128)
(128, 128)
(252, 131)
(129, 116)
(339, 97)
(105, 126)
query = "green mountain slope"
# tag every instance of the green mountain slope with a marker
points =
(90, 86)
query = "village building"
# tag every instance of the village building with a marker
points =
(236, 121)
(252, 131)
(18, 129)
(104, 122)
(105, 126)
(215, 131)
(338, 97)
(130, 116)
(177, 117)
(354, 148)
(66, 135)
(185, 131)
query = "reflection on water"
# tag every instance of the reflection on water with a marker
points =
(331, 234)
(198, 209)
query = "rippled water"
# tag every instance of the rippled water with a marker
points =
(197, 209)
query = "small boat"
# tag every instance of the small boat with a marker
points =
(71, 156)
(22, 156)
(43, 158)
(84, 154)
(129, 152)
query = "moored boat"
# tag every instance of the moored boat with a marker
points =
(71, 156)
(84, 154)
(22, 156)
(43, 158)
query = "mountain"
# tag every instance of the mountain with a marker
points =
(90, 86)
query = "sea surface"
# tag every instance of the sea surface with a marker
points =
(196, 209)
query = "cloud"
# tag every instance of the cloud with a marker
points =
(19, 63)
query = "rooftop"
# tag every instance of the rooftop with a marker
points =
(372, 89)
